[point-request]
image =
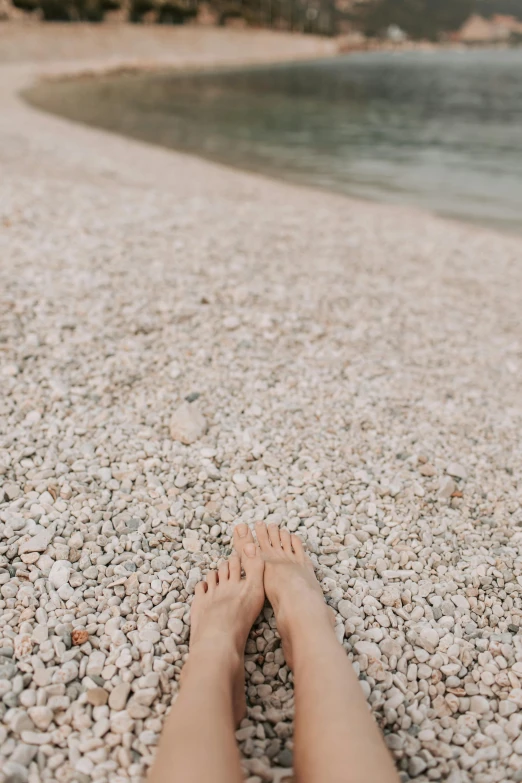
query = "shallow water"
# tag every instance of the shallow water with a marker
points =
(441, 130)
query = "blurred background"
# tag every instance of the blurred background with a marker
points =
(471, 21)
(421, 102)
(184, 346)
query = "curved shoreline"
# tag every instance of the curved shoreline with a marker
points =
(495, 214)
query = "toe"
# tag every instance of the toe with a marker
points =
(273, 534)
(242, 535)
(200, 589)
(252, 562)
(234, 568)
(286, 542)
(297, 546)
(212, 580)
(262, 537)
(223, 572)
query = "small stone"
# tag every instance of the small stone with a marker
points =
(368, 648)
(191, 544)
(187, 424)
(23, 645)
(136, 710)
(428, 639)
(390, 647)
(35, 738)
(119, 695)
(33, 417)
(59, 574)
(66, 673)
(447, 488)
(95, 663)
(10, 370)
(171, 533)
(23, 754)
(121, 722)
(41, 717)
(84, 766)
(457, 471)
(42, 677)
(176, 626)
(347, 609)
(146, 696)
(30, 558)
(285, 758)
(174, 370)
(101, 727)
(516, 697)
(416, 766)
(79, 636)
(479, 705)
(391, 597)
(507, 708)
(97, 696)
(450, 669)
(20, 721)
(37, 543)
(231, 322)
(14, 773)
(65, 592)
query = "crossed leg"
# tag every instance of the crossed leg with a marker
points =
(336, 739)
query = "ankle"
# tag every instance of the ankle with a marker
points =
(215, 653)
(299, 620)
(299, 604)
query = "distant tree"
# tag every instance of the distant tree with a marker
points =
(163, 11)
(26, 5)
(420, 19)
(69, 10)
(509, 7)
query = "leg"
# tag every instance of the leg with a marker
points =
(336, 738)
(198, 743)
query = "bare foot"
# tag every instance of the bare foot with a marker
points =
(290, 583)
(223, 611)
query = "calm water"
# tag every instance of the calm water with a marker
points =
(441, 130)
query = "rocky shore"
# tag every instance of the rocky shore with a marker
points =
(184, 347)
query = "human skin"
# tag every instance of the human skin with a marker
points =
(336, 739)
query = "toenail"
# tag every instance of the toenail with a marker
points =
(259, 522)
(242, 530)
(250, 550)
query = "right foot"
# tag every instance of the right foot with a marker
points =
(290, 582)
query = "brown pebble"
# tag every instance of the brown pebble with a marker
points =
(79, 636)
(97, 697)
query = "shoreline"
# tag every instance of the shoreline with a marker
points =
(358, 369)
(326, 50)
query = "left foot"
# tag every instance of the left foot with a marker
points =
(224, 610)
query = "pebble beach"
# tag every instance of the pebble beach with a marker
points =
(184, 347)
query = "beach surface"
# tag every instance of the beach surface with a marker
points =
(358, 368)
